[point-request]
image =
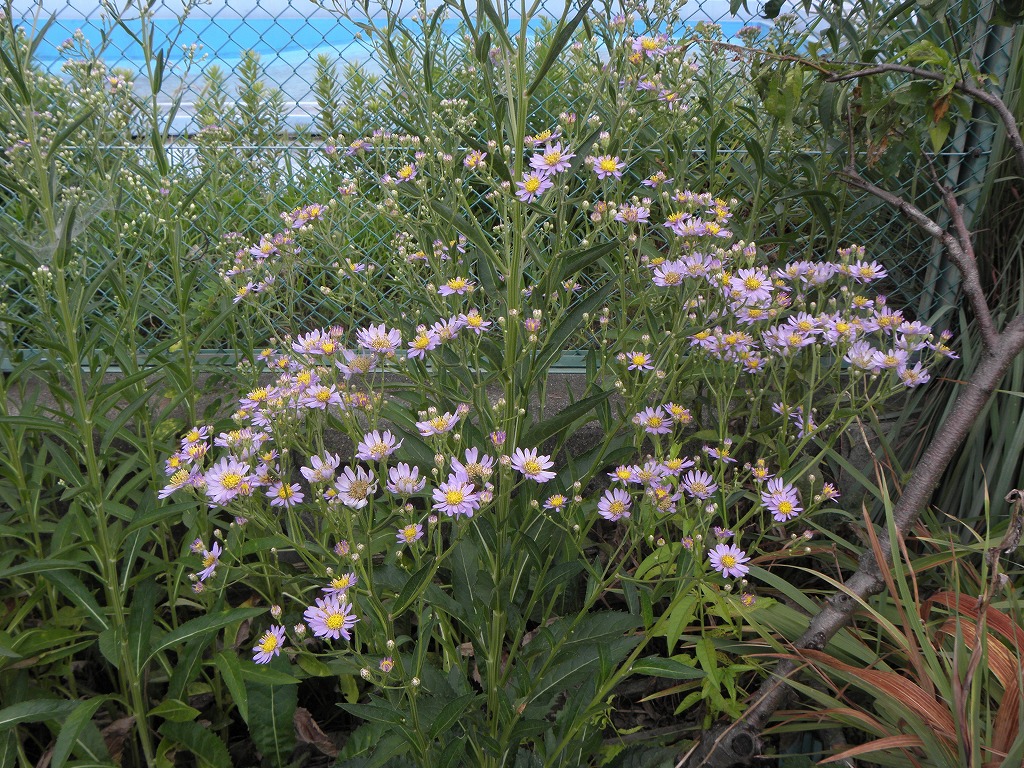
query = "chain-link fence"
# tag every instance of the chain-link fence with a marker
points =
(258, 101)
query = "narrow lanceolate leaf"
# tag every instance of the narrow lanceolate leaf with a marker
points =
(272, 716)
(73, 729)
(35, 711)
(201, 626)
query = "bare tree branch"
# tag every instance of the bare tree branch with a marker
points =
(1013, 135)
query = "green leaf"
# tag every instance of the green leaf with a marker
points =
(203, 625)
(414, 587)
(538, 433)
(938, 134)
(450, 714)
(230, 669)
(35, 711)
(655, 666)
(70, 735)
(210, 752)
(259, 673)
(558, 43)
(140, 624)
(272, 715)
(175, 710)
(72, 587)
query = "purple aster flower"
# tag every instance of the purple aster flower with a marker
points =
(864, 272)
(648, 473)
(533, 186)
(437, 425)
(319, 397)
(211, 559)
(665, 498)
(321, 468)
(651, 46)
(406, 173)
(781, 499)
(379, 339)
(376, 446)
(614, 504)
(654, 421)
(669, 274)
(632, 214)
(424, 341)
(269, 645)
(532, 466)
(282, 495)
(404, 480)
(477, 466)
(340, 585)
(224, 478)
(556, 503)
(913, 377)
(622, 474)
(457, 285)
(474, 321)
(355, 488)
(607, 165)
(639, 361)
(331, 618)
(407, 534)
(182, 478)
(698, 485)
(751, 286)
(497, 438)
(554, 159)
(655, 180)
(729, 560)
(447, 330)
(456, 496)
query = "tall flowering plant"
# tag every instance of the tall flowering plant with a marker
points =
(398, 489)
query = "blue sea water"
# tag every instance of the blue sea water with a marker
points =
(287, 47)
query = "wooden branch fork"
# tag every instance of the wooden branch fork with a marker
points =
(729, 744)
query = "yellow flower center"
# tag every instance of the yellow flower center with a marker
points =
(359, 489)
(439, 423)
(179, 477)
(532, 184)
(421, 342)
(531, 467)
(323, 394)
(551, 158)
(752, 283)
(474, 321)
(335, 621)
(785, 507)
(230, 480)
(304, 377)
(457, 283)
(698, 487)
(340, 582)
(556, 501)
(454, 496)
(269, 642)
(655, 421)
(209, 559)
(285, 492)
(639, 359)
(729, 561)
(409, 532)
(327, 347)
(608, 164)
(617, 507)
(405, 172)
(650, 44)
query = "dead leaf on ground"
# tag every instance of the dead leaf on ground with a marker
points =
(308, 732)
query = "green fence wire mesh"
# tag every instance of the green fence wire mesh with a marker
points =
(261, 98)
